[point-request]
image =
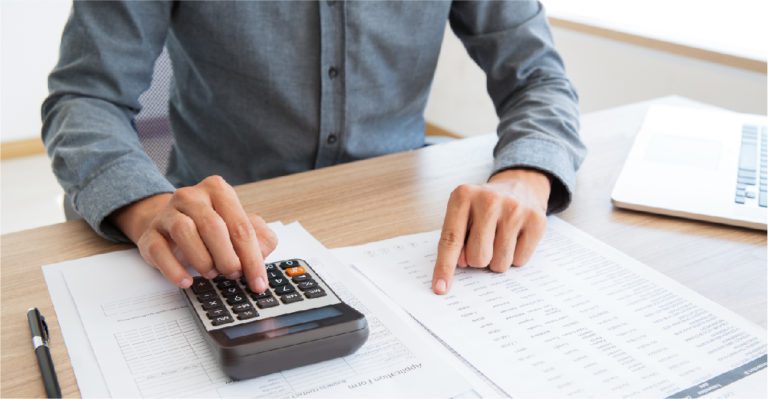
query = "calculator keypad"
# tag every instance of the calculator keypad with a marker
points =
(294, 286)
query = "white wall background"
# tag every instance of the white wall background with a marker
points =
(30, 32)
(606, 73)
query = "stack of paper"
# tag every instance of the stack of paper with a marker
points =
(580, 320)
(130, 334)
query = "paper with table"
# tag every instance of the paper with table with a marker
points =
(135, 337)
(581, 319)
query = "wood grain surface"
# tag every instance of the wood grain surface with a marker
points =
(401, 194)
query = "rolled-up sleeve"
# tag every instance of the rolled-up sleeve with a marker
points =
(536, 103)
(107, 54)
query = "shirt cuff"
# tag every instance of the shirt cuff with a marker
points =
(546, 156)
(121, 183)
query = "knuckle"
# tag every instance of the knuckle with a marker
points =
(212, 224)
(462, 192)
(185, 195)
(216, 183)
(516, 214)
(451, 239)
(242, 231)
(153, 248)
(181, 227)
(489, 199)
(510, 203)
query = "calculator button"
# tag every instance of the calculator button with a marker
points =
(274, 274)
(216, 312)
(207, 295)
(277, 282)
(222, 320)
(241, 307)
(255, 296)
(294, 271)
(200, 284)
(292, 297)
(235, 299)
(288, 263)
(284, 289)
(267, 302)
(270, 267)
(223, 284)
(305, 285)
(227, 292)
(300, 278)
(212, 303)
(314, 293)
(248, 314)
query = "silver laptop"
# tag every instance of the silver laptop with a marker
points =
(700, 164)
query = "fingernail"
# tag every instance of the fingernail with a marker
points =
(440, 286)
(211, 274)
(233, 276)
(186, 282)
(261, 284)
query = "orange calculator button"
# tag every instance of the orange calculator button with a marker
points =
(294, 271)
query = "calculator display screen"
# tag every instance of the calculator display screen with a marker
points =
(283, 321)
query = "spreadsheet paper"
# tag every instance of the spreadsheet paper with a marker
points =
(581, 319)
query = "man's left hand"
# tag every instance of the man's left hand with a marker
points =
(496, 225)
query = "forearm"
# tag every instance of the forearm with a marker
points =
(98, 160)
(105, 62)
(536, 103)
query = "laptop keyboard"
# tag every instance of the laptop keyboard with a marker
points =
(752, 176)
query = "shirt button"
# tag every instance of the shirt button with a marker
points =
(332, 138)
(333, 72)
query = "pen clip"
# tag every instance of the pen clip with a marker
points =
(44, 330)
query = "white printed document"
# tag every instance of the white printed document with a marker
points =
(580, 320)
(129, 333)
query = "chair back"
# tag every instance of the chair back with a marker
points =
(152, 123)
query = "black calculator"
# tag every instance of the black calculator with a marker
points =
(299, 320)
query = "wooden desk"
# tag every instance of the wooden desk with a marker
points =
(401, 194)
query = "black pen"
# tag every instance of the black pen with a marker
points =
(40, 342)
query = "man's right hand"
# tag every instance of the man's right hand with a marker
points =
(204, 226)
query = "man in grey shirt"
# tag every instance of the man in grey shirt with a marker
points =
(263, 89)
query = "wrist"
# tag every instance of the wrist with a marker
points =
(135, 218)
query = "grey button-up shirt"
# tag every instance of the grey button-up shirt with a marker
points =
(263, 89)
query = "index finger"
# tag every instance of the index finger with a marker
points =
(243, 237)
(451, 243)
